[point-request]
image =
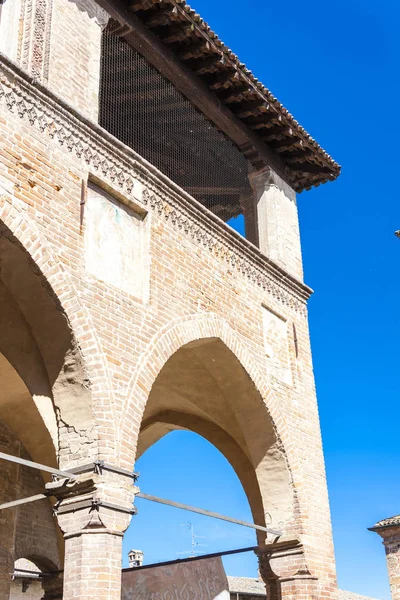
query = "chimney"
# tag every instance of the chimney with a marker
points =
(135, 558)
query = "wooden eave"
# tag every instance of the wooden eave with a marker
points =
(175, 39)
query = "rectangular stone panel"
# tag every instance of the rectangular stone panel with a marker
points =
(276, 344)
(116, 243)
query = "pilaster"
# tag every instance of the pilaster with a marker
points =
(277, 220)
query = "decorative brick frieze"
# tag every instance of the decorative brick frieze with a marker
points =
(133, 176)
(34, 47)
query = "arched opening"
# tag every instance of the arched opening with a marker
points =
(37, 341)
(29, 578)
(27, 581)
(203, 388)
(199, 476)
(44, 406)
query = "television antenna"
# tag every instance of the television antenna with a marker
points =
(193, 552)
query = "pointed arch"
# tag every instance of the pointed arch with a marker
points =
(164, 344)
(272, 458)
(14, 218)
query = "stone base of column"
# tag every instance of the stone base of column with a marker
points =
(284, 569)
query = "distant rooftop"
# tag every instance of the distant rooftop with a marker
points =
(389, 522)
(256, 587)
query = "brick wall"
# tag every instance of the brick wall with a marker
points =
(28, 531)
(203, 281)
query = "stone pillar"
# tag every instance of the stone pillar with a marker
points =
(284, 570)
(277, 220)
(389, 530)
(93, 512)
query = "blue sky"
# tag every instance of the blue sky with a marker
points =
(335, 66)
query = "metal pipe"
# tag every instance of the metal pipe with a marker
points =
(98, 464)
(207, 513)
(191, 558)
(34, 465)
(14, 503)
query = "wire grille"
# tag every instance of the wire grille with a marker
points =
(145, 111)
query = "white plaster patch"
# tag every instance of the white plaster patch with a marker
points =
(276, 344)
(116, 243)
(10, 12)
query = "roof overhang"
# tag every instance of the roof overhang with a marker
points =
(174, 38)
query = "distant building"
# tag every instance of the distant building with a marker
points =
(135, 558)
(248, 588)
(389, 530)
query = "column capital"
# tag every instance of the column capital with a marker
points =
(282, 560)
(93, 503)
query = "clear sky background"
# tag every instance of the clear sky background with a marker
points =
(335, 66)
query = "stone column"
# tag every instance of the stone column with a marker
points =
(284, 570)
(277, 220)
(389, 530)
(93, 512)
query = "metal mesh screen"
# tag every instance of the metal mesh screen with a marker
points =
(144, 110)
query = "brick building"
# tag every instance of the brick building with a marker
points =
(389, 531)
(247, 588)
(130, 136)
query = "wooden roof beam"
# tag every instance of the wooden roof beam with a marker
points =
(215, 82)
(248, 108)
(299, 157)
(276, 133)
(232, 93)
(286, 144)
(162, 16)
(174, 33)
(313, 169)
(205, 65)
(264, 121)
(192, 86)
(141, 5)
(194, 50)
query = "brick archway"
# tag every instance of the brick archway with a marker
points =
(78, 317)
(163, 345)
